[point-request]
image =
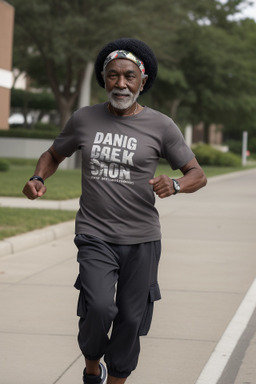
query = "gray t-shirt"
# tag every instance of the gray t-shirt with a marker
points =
(119, 157)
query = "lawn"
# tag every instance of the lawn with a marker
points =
(14, 221)
(210, 171)
(65, 184)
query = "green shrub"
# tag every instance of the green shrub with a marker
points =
(43, 100)
(235, 146)
(45, 127)
(4, 165)
(207, 155)
(39, 131)
(20, 161)
(204, 154)
(227, 160)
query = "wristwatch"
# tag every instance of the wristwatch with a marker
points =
(176, 186)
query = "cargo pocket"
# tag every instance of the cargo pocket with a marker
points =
(154, 295)
(81, 305)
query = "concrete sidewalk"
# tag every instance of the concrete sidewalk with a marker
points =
(208, 264)
(23, 202)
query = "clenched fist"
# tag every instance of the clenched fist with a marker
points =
(162, 186)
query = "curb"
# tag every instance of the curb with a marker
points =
(32, 239)
(22, 202)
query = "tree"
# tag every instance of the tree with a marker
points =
(55, 42)
(219, 69)
(242, 111)
(198, 47)
(64, 37)
(211, 79)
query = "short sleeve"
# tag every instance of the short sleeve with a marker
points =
(174, 148)
(66, 142)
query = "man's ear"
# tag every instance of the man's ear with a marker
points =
(143, 82)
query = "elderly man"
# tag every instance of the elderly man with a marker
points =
(117, 226)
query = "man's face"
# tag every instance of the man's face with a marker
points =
(123, 83)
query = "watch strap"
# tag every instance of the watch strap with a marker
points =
(37, 178)
(176, 186)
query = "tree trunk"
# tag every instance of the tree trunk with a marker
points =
(207, 133)
(25, 108)
(174, 107)
(65, 108)
(66, 98)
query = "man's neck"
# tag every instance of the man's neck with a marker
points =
(131, 111)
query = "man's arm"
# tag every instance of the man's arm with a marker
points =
(46, 166)
(194, 178)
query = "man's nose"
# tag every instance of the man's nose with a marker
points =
(121, 82)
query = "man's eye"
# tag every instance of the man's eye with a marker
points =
(112, 76)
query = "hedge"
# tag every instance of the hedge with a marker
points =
(33, 100)
(207, 155)
(4, 165)
(39, 131)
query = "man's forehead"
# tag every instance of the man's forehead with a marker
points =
(123, 65)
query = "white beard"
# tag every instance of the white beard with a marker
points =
(122, 104)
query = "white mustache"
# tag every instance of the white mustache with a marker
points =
(125, 92)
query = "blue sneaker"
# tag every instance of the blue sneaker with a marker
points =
(101, 379)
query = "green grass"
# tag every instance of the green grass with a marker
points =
(65, 184)
(210, 171)
(14, 221)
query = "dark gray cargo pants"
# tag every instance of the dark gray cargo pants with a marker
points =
(118, 286)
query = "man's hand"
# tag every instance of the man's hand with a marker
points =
(34, 189)
(162, 186)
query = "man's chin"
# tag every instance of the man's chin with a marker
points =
(119, 105)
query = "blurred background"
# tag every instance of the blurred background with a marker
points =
(205, 49)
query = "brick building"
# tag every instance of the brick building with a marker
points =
(6, 42)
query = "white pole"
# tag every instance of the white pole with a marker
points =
(85, 93)
(188, 135)
(244, 147)
(84, 101)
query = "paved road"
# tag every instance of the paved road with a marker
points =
(208, 265)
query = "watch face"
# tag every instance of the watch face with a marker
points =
(176, 185)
